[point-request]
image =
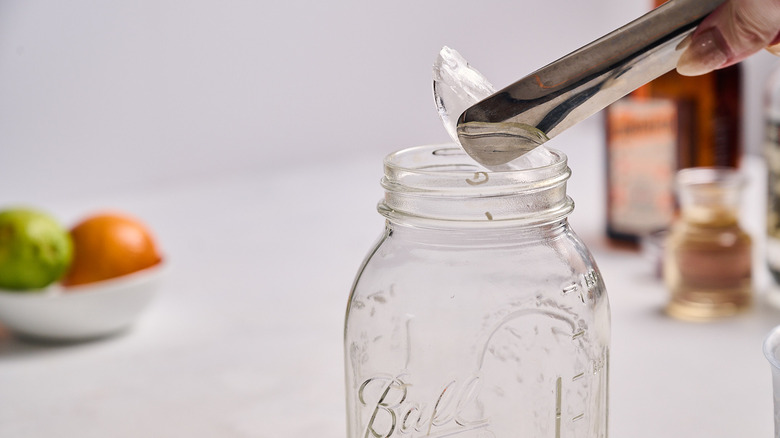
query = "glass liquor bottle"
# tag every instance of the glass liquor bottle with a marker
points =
(641, 161)
(772, 154)
(706, 132)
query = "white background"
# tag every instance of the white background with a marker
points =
(249, 135)
(98, 96)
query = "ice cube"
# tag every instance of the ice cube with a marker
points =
(457, 86)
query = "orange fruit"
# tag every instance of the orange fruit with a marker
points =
(109, 245)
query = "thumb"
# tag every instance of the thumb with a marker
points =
(731, 33)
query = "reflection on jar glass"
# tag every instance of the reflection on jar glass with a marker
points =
(708, 256)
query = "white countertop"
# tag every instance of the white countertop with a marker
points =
(246, 338)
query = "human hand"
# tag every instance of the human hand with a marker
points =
(731, 33)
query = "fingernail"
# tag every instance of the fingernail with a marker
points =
(704, 54)
(774, 45)
(684, 43)
(775, 49)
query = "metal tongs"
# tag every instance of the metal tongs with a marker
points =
(543, 104)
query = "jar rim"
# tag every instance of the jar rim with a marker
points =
(413, 169)
(392, 160)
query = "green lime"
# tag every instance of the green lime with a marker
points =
(35, 250)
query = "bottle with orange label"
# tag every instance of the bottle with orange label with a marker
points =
(642, 157)
(674, 122)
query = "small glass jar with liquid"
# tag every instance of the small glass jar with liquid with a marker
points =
(708, 255)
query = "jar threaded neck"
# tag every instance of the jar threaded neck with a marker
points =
(442, 183)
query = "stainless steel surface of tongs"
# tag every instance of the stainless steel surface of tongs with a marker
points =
(541, 105)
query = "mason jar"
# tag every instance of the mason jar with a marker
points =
(479, 311)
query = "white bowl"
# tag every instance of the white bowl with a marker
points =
(80, 312)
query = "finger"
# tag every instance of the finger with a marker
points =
(734, 31)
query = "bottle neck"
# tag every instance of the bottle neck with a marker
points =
(709, 197)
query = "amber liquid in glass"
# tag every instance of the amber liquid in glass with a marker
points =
(708, 265)
(710, 120)
(710, 277)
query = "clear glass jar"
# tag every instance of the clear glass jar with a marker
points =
(708, 256)
(479, 312)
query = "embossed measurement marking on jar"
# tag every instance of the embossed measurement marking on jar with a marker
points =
(559, 381)
(572, 288)
(558, 404)
(558, 387)
(564, 406)
(591, 278)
